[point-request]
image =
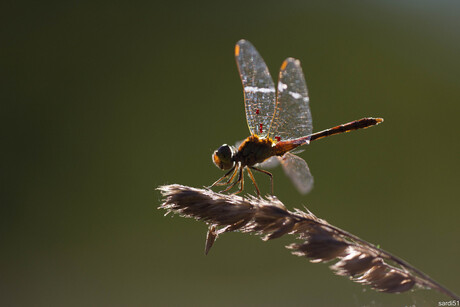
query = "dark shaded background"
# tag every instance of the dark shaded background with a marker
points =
(103, 102)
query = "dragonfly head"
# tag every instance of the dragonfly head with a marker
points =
(223, 157)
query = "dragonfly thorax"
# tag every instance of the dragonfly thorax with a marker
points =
(254, 150)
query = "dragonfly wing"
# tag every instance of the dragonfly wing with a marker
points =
(238, 143)
(297, 169)
(258, 86)
(297, 151)
(271, 162)
(292, 117)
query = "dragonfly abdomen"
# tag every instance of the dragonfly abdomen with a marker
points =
(354, 125)
(284, 146)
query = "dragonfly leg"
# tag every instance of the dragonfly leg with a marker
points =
(254, 181)
(240, 172)
(265, 172)
(241, 180)
(233, 176)
(222, 178)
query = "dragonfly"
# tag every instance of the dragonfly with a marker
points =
(279, 121)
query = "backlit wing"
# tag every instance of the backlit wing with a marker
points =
(258, 86)
(292, 117)
(271, 162)
(297, 169)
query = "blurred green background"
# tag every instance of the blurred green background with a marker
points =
(103, 102)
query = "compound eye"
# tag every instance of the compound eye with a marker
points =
(222, 157)
(225, 152)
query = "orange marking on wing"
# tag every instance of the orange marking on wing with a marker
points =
(237, 50)
(283, 66)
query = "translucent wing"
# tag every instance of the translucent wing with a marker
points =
(271, 162)
(258, 86)
(297, 169)
(238, 143)
(292, 117)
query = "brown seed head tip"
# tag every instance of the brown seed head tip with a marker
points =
(379, 120)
